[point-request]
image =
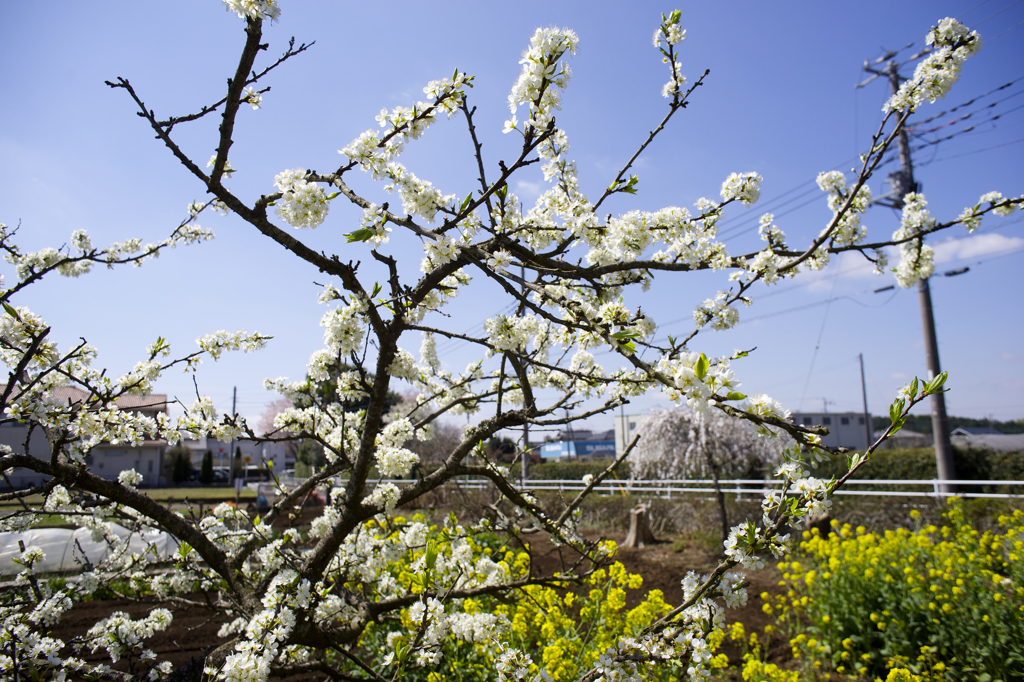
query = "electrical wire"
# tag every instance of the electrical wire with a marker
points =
(991, 16)
(976, 151)
(972, 101)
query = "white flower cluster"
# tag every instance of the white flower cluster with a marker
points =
(693, 387)
(79, 257)
(344, 328)
(129, 478)
(671, 34)
(430, 619)
(443, 249)
(994, 198)
(419, 197)
(1002, 207)
(741, 546)
(514, 665)
(373, 152)
(120, 635)
(373, 220)
(254, 9)
(392, 459)
(252, 98)
(217, 343)
(917, 259)
(718, 312)
(952, 43)
(264, 636)
(202, 419)
(745, 187)
(512, 333)
(499, 261)
(543, 76)
(303, 203)
(847, 230)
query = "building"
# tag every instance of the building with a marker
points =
(845, 429)
(626, 426)
(106, 460)
(578, 445)
(279, 454)
(16, 436)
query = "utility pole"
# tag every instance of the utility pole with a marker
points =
(526, 424)
(864, 393)
(231, 449)
(902, 184)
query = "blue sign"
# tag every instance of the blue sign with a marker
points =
(581, 448)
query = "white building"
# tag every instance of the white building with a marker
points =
(105, 460)
(845, 429)
(626, 426)
(278, 453)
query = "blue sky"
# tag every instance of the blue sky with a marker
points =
(780, 100)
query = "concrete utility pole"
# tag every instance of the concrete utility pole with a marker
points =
(526, 425)
(902, 184)
(231, 451)
(864, 393)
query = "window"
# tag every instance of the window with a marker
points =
(632, 425)
(808, 420)
(826, 420)
(150, 466)
(844, 420)
(860, 420)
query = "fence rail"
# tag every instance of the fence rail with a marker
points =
(738, 487)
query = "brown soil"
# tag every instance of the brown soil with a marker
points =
(663, 566)
(193, 630)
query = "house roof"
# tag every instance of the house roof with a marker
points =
(1000, 442)
(153, 401)
(976, 431)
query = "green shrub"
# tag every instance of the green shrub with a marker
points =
(548, 471)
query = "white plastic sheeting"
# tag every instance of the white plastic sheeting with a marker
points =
(67, 550)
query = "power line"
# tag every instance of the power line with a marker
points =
(962, 131)
(998, 35)
(991, 16)
(972, 101)
(914, 131)
(976, 151)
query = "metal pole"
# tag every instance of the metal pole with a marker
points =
(864, 393)
(943, 448)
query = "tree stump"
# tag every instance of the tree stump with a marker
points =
(823, 523)
(639, 528)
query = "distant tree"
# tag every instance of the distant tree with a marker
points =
(206, 470)
(181, 459)
(432, 451)
(238, 466)
(266, 427)
(309, 458)
(680, 444)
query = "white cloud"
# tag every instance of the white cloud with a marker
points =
(853, 266)
(527, 191)
(976, 246)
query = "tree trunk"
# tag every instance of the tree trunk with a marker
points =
(639, 528)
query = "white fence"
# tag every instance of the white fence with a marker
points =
(739, 487)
